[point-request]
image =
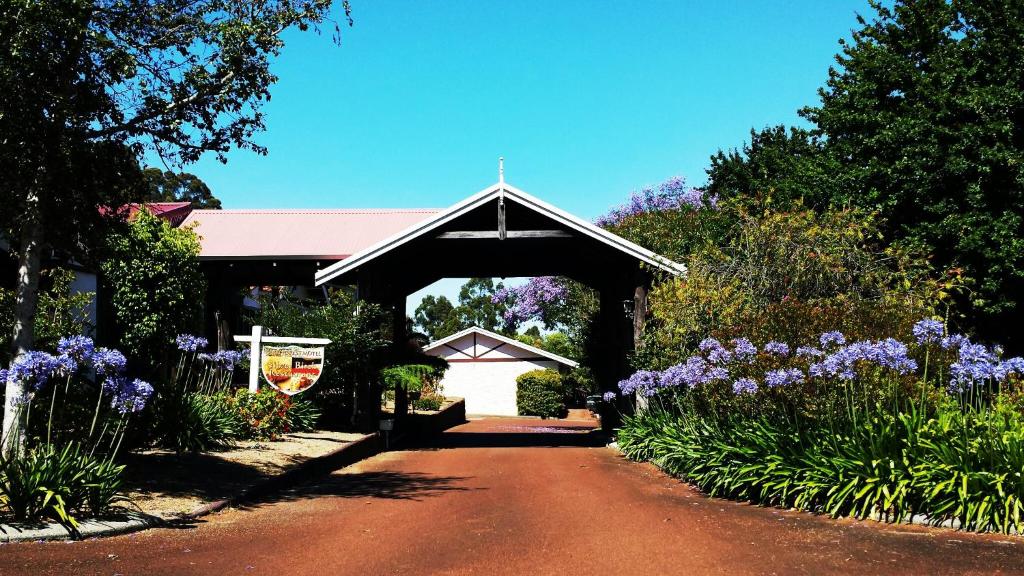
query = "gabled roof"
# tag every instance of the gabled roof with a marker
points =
(296, 234)
(504, 339)
(480, 198)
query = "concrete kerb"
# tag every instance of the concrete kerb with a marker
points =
(135, 521)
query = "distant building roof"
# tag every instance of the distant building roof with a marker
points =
(296, 234)
(173, 212)
(504, 340)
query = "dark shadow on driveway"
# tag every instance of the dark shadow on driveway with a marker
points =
(513, 439)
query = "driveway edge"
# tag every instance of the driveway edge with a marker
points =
(135, 521)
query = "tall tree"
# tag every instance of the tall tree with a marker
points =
(477, 306)
(778, 167)
(925, 108)
(90, 85)
(437, 317)
(169, 186)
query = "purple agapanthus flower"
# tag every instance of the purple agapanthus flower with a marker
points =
(714, 350)
(809, 352)
(975, 363)
(34, 369)
(776, 348)
(78, 348)
(743, 350)
(65, 365)
(833, 338)
(608, 396)
(891, 353)
(1009, 367)
(953, 341)
(928, 331)
(783, 377)
(108, 362)
(644, 382)
(224, 359)
(190, 343)
(744, 386)
(690, 374)
(131, 396)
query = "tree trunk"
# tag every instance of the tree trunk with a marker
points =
(26, 296)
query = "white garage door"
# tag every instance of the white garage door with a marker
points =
(488, 387)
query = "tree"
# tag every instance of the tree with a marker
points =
(777, 167)
(477, 306)
(925, 108)
(437, 317)
(155, 283)
(168, 186)
(90, 85)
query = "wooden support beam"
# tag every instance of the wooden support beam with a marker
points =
(496, 235)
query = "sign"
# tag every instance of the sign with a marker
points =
(292, 369)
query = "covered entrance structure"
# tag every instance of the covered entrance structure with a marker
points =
(502, 231)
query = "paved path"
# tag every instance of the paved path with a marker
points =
(511, 496)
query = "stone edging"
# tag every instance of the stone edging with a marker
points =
(136, 521)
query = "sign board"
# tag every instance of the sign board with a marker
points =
(256, 341)
(292, 369)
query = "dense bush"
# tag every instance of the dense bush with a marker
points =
(430, 401)
(539, 393)
(866, 429)
(59, 312)
(262, 415)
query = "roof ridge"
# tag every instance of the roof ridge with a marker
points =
(314, 210)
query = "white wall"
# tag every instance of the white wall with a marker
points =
(489, 387)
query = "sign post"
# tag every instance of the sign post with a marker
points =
(307, 358)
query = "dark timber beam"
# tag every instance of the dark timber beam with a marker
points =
(496, 235)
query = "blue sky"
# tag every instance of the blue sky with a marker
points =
(585, 100)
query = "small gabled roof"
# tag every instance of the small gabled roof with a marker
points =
(504, 339)
(483, 197)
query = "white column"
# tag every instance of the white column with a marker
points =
(255, 358)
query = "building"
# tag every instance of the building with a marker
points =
(483, 367)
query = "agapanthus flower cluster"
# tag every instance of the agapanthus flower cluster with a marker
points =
(928, 331)
(975, 363)
(131, 395)
(743, 350)
(643, 382)
(608, 396)
(34, 369)
(77, 348)
(833, 338)
(671, 194)
(108, 362)
(224, 359)
(744, 386)
(191, 343)
(776, 348)
(808, 352)
(529, 301)
(783, 377)
(715, 351)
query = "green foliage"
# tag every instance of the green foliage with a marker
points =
(303, 416)
(167, 186)
(923, 108)
(788, 276)
(880, 466)
(437, 317)
(410, 377)
(201, 423)
(155, 285)
(540, 393)
(778, 169)
(59, 312)
(58, 483)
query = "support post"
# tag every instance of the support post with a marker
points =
(255, 355)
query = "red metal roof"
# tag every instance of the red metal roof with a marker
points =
(297, 234)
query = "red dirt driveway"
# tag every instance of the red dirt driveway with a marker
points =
(516, 496)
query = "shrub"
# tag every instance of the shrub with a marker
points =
(539, 393)
(428, 402)
(303, 416)
(262, 415)
(203, 423)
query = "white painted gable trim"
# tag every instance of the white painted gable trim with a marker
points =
(505, 339)
(480, 198)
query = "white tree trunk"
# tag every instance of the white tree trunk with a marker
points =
(26, 292)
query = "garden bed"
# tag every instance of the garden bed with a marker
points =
(168, 485)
